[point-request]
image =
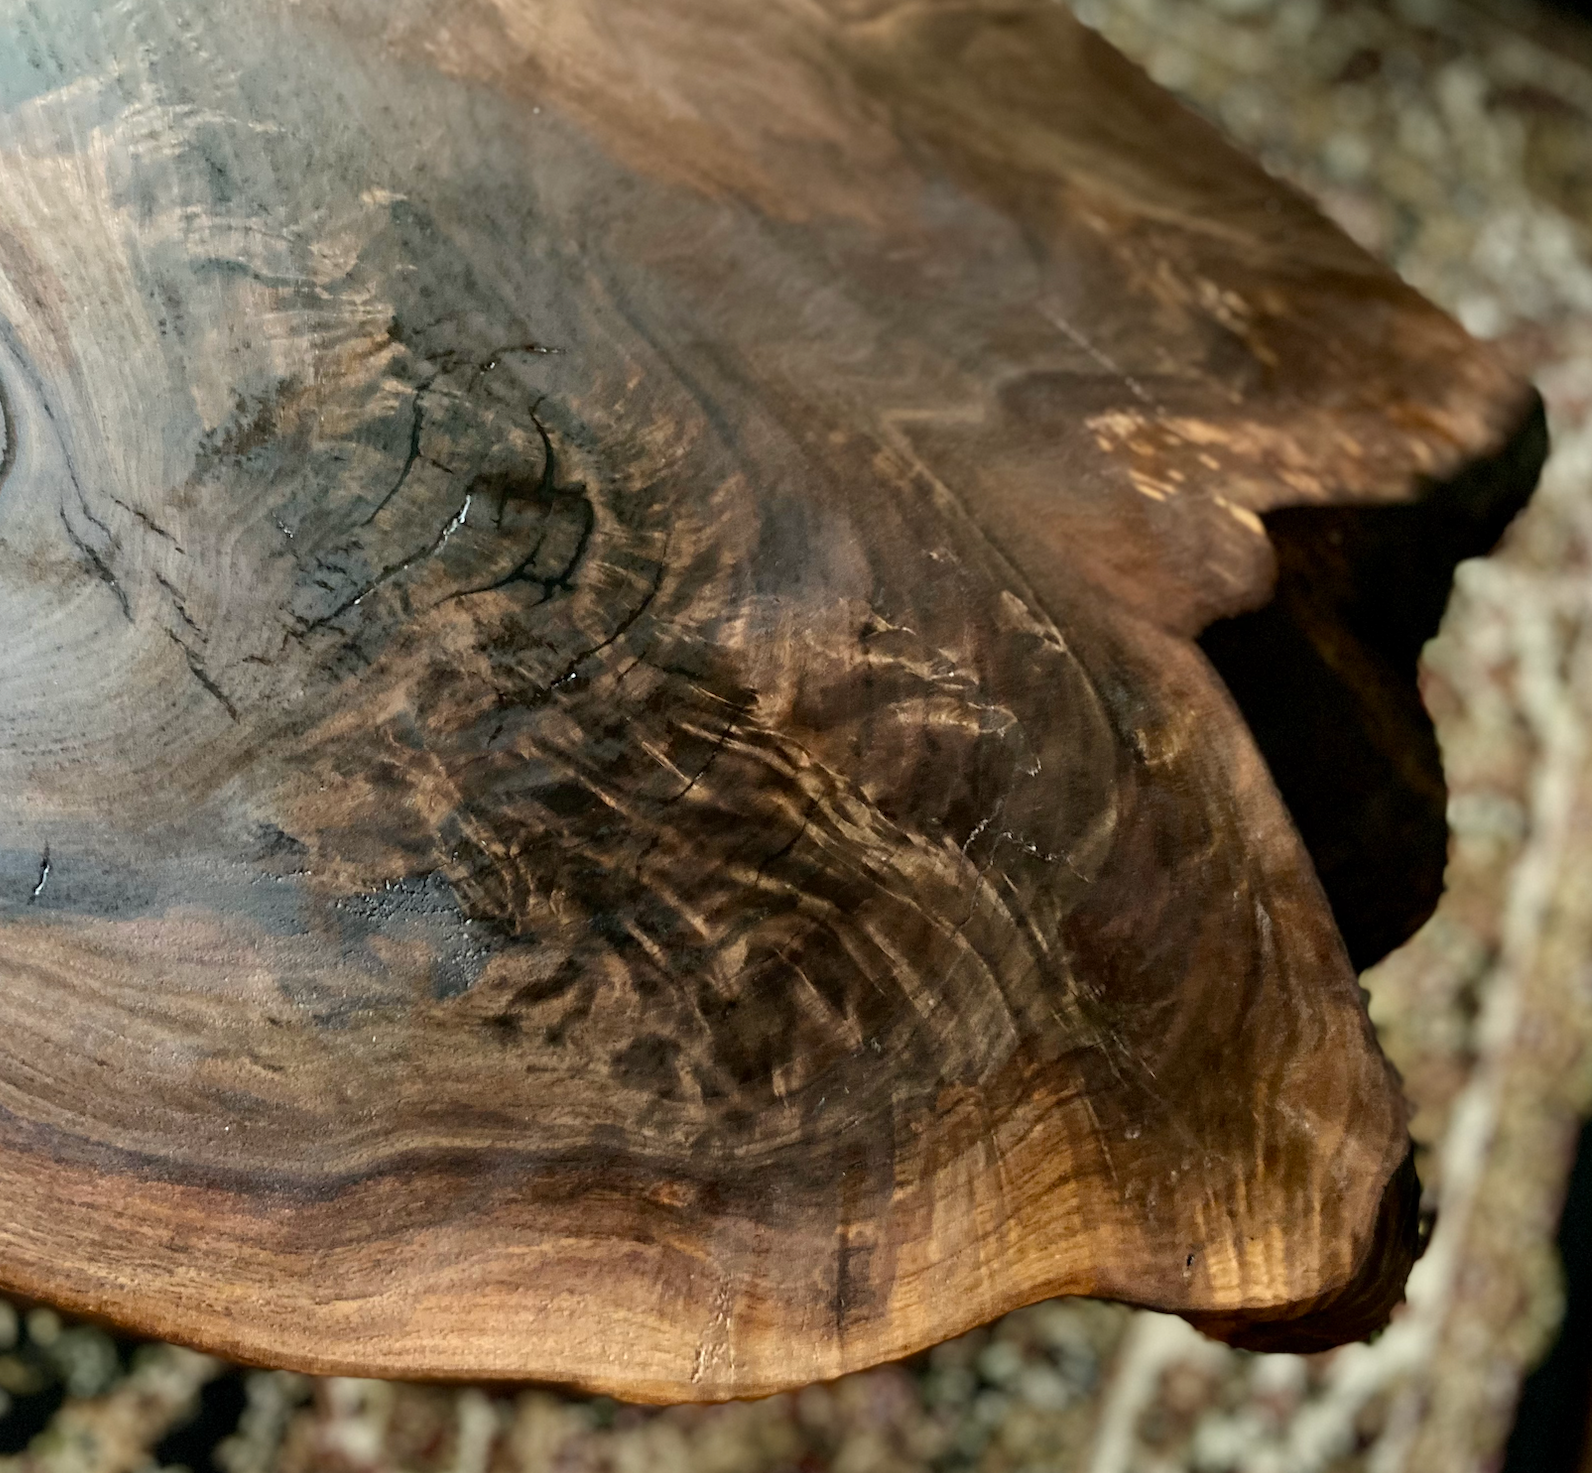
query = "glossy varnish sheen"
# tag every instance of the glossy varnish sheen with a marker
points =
(604, 770)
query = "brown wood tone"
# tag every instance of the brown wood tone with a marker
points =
(604, 769)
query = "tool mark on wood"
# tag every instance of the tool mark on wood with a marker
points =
(1100, 356)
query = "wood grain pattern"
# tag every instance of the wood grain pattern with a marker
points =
(604, 773)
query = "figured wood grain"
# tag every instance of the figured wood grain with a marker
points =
(604, 773)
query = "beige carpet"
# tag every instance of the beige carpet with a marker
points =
(1455, 141)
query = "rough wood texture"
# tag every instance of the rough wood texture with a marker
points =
(603, 770)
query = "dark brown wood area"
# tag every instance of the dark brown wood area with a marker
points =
(604, 770)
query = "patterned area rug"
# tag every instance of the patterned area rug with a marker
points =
(1455, 141)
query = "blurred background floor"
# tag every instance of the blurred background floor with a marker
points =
(1454, 140)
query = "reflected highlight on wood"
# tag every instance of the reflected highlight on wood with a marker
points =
(604, 773)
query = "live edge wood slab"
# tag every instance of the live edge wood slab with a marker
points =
(605, 769)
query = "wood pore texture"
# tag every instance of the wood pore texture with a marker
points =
(604, 770)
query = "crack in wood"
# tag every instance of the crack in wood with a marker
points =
(547, 490)
(96, 563)
(199, 673)
(178, 604)
(416, 426)
(387, 574)
(147, 520)
(8, 435)
(44, 876)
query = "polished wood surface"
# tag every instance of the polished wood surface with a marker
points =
(604, 770)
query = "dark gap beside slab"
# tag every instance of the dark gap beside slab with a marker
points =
(1551, 1421)
(1325, 677)
(192, 1443)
